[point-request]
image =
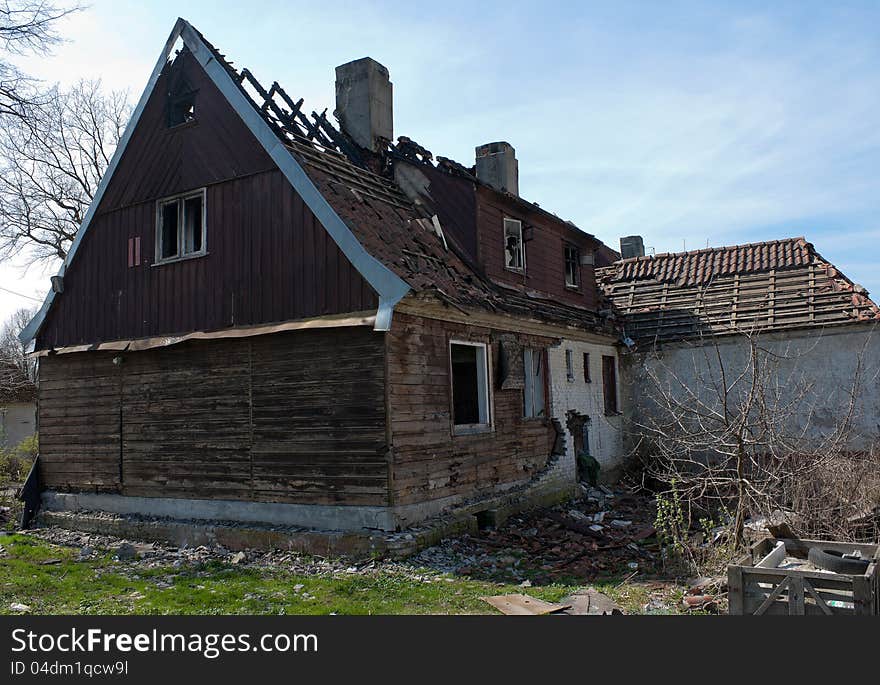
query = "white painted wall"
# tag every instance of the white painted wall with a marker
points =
(606, 439)
(828, 362)
(18, 421)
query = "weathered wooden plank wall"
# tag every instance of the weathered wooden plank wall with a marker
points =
(429, 461)
(268, 258)
(545, 264)
(290, 417)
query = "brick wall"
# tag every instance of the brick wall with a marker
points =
(586, 398)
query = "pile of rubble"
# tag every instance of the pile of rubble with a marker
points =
(606, 532)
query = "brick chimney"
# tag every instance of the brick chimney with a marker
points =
(364, 102)
(497, 166)
(632, 246)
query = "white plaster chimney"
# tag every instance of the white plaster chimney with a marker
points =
(364, 102)
(497, 166)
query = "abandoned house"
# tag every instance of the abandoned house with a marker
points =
(268, 318)
(691, 316)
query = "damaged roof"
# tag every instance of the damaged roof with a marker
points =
(779, 284)
(404, 236)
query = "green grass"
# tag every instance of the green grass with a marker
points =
(102, 585)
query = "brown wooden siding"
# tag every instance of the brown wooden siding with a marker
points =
(268, 258)
(160, 161)
(291, 417)
(429, 462)
(545, 263)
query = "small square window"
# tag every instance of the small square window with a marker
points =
(181, 227)
(514, 250)
(572, 267)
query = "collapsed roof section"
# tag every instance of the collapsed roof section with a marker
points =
(405, 236)
(775, 285)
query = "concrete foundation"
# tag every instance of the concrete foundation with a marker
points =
(247, 525)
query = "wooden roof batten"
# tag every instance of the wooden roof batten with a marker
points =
(774, 285)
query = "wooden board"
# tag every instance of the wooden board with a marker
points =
(290, 417)
(523, 605)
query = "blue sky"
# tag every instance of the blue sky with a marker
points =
(686, 122)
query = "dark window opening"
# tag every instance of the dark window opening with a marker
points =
(470, 391)
(609, 384)
(514, 251)
(192, 213)
(181, 110)
(587, 378)
(168, 235)
(572, 266)
(181, 229)
(569, 366)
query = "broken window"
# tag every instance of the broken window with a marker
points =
(181, 102)
(572, 266)
(609, 383)
(181, 109)
(569, 365)
(181, 229)
(533, 391)
(587, 378)
(470, 386)
(514, 252)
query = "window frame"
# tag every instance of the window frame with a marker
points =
(569, 365)
(529, 407)
(610, 394)
(483, 383)
(588, 378)
(577, 265)
(522, 246)
(181, 199)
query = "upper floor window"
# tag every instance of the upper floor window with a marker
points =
(180, 226)
(572, 266)
(514, 250)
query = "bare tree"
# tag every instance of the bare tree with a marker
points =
(12, 350)
(733, 430)
(26, 27)
(52, 162)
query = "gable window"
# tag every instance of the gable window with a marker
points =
(572, 267)
(587, 378)
(533, 389)
(181, 109)
(180, 106)
(569, 365)
(180, 230)
(514, 250)
(470, 385)
(609, 384)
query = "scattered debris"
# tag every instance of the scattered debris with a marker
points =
(19, 608)
(126, 551)
(237, 558)
(591, 602)
(705, 603)
(523, 605)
